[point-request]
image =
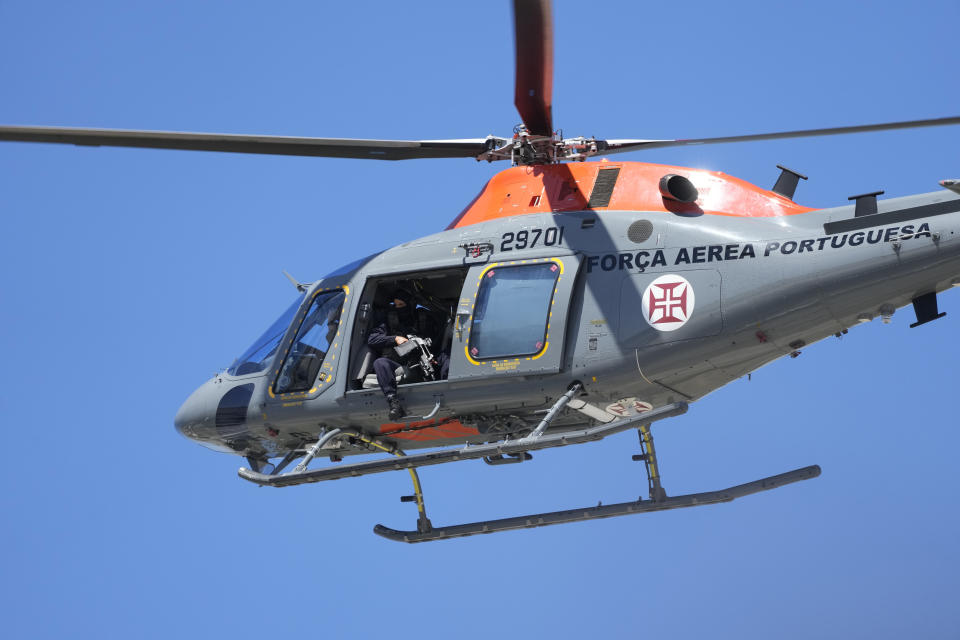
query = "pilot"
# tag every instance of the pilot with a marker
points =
(333, 324)
(391, 331)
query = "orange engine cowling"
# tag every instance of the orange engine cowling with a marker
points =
(621, 186)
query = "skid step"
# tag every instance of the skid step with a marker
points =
(601, 511)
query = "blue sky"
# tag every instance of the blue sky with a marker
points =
(129, 276)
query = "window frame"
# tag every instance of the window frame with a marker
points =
(521, 264)
(327, 372)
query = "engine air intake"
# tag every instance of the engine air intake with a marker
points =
(678, 188)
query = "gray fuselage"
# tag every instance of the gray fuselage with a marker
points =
(764, 288)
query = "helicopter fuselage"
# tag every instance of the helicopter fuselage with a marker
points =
(643, 299)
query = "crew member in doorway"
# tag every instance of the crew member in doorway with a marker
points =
(405, 319)
(390, 332)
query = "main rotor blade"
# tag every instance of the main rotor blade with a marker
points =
(533, 34)
(620, 146)
(272, 145)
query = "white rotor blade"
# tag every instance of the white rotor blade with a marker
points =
(272, 145)
(620, 146)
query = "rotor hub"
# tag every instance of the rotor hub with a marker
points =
(525, 148)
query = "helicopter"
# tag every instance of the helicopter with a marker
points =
(643, 279)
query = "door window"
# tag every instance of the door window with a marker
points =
(513, 310)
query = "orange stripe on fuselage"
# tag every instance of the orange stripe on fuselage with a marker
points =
(427, 430)
(567, 187)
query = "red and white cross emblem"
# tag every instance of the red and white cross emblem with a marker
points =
(668, 302)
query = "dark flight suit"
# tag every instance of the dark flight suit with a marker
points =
(382, 339)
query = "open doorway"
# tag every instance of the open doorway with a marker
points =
(423, 316)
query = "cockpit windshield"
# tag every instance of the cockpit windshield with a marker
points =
(257, 357)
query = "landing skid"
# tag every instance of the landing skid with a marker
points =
(600, 511)
(517, 450)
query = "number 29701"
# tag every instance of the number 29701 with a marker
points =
(530, 238)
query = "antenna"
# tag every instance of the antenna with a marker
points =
(301, 287)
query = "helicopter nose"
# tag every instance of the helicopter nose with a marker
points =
(215, 415)
(195, 418)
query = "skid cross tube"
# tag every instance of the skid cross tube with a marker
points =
(468, 452)
(423, 522)
(649, 457)
(554, 410)
(600, 511)
(325, 437)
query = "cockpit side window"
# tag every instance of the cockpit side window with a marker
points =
(513, 310)
(314, 339)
